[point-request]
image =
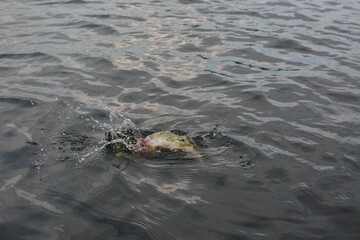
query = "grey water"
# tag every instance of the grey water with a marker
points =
(270, 90)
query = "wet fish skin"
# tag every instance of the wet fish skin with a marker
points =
(169, 141)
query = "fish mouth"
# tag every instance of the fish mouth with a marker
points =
(143, 146)
(143, 142)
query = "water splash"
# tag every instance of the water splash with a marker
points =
(115, 130)
(103, 146)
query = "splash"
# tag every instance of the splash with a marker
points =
(116, 130)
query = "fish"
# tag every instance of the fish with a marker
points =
(152, 144)
(169, 141)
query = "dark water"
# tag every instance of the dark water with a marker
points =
(271, 88)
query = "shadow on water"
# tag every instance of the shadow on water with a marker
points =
(80, 181)
(78, 134)
(75, 172)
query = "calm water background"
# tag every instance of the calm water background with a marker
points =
(271, 87)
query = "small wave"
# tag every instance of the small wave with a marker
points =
(28, 56)
(96, 27)
(64, 2)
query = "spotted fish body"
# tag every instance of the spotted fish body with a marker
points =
(166, 140)
(172, 141)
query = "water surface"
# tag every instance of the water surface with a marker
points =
(270, 89)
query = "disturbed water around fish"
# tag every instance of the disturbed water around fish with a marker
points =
(269, 90)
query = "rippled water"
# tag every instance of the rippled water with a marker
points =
(270, 89)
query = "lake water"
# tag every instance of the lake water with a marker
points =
(269, 89)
